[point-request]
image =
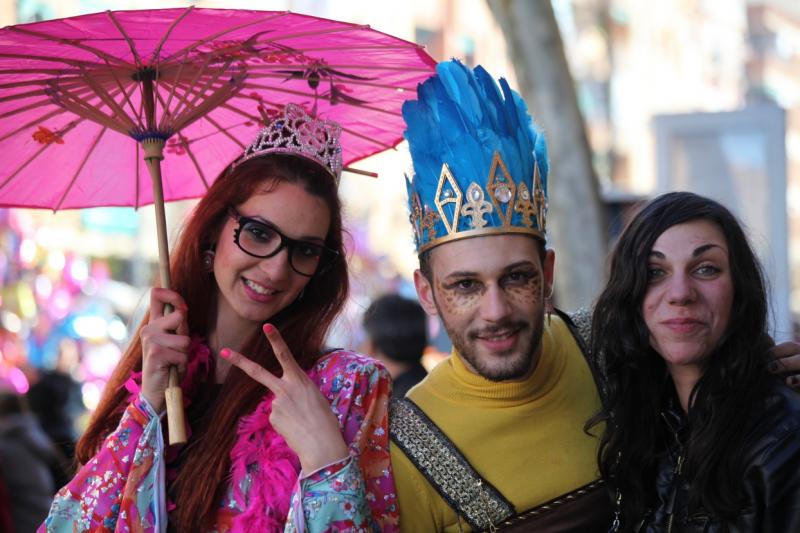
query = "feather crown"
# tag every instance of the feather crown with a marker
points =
(480, 166)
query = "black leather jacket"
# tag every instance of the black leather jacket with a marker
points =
(771, 482)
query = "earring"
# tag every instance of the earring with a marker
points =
(548, 304)
(208, 260)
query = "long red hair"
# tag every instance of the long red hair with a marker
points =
(204, 469)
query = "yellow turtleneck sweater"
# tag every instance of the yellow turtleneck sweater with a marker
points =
(526, 437)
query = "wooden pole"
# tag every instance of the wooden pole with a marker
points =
(153, 154)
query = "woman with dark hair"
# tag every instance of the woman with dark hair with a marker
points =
(699, 435)
(259, 270)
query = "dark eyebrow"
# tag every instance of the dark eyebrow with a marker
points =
(700, 250)
(262, 220)
(470, 274)
(461, 274)
(518, 264)
(703, 249)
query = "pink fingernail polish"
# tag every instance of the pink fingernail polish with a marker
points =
(225, 353)
(269, 328)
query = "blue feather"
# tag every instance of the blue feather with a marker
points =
(463, 117)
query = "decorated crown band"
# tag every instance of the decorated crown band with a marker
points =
(298, 133)
(480, 166)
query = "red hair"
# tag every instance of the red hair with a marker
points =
(204, 470)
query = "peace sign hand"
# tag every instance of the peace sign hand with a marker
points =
(299, 411)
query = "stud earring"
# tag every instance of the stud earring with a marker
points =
(208, 260)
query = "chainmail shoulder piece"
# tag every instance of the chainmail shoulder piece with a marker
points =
(446, 468)
(582, 319)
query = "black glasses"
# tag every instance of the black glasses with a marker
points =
(261, 239)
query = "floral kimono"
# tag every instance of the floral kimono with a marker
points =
(123, 487)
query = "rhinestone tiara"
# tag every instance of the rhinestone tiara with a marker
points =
(298, 133)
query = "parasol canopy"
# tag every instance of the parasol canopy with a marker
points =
(77, 95)
(95, 109)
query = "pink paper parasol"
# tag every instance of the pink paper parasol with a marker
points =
(85, 100)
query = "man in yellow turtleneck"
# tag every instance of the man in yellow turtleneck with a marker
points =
(493, 437)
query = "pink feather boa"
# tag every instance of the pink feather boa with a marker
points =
(273, 467)
(259, 451)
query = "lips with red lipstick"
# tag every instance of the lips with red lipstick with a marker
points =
(258, 291)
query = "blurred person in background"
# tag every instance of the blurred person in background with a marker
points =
(41, 345)
(55, 399)
(699, 435)
(27, 457)
(284, 434)
(396, 330)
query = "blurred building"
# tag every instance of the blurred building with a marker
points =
(773, 74)
(634, 61)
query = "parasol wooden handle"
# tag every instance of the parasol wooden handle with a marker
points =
(173, 394)
(174, 397)
(176, 420)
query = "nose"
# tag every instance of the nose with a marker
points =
(679, 289)
(277, 267)
(494, 304)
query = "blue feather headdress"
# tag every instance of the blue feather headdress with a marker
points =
(480, 167)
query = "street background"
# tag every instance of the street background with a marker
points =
(636, 98)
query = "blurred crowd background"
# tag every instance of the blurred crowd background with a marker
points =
(688, 94)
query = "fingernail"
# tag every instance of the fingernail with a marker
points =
(268, 328)
(794, 380)
(225, 353)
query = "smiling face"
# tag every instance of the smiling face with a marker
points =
(254, 289)
(489, 292)
(687, 305)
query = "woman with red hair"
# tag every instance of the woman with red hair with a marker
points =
(258, 270)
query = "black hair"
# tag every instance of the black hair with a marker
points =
(398, 327)
(727, 399)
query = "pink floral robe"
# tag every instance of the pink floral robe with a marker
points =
(122, 488)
